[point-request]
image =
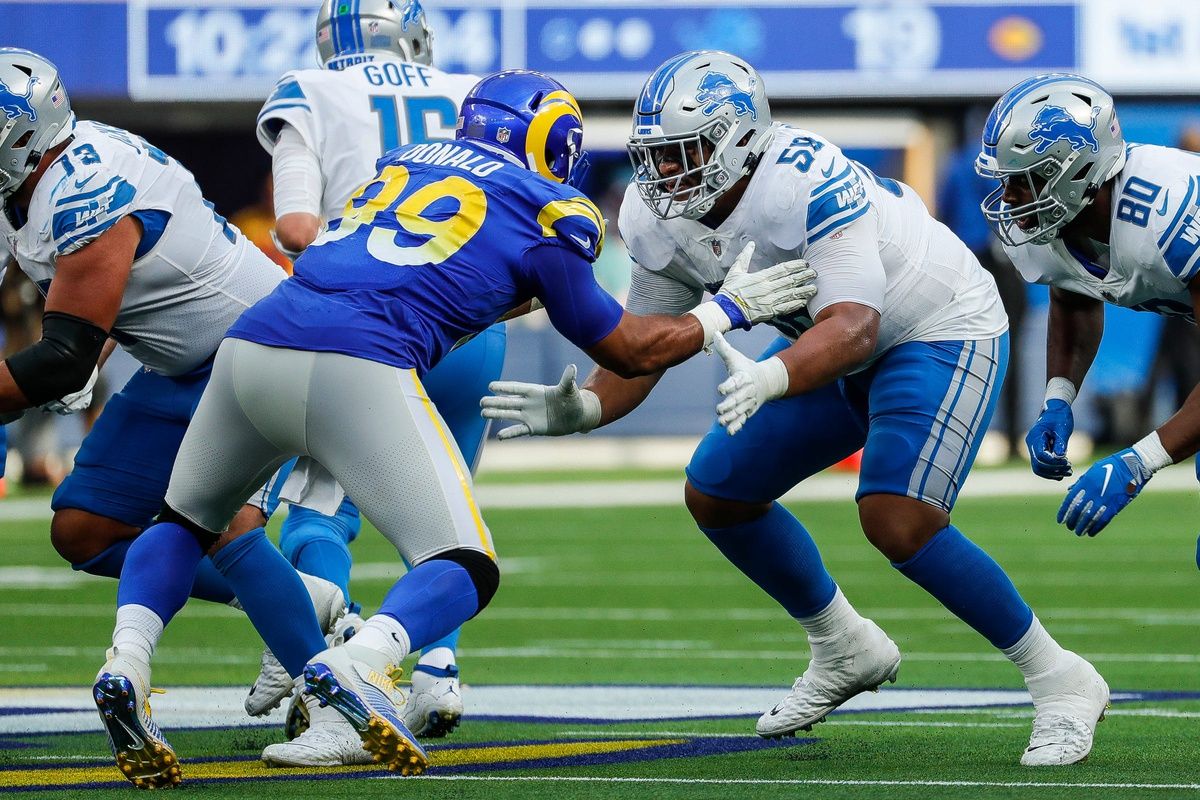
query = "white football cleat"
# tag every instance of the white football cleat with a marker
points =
(273, 683)
(435, 704)
(122, 692)
(327, 740)
(1070, 701)
(296, 722)
(859, 661)
(371, 702)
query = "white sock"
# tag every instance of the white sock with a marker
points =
(137, 632)
(380, 636)
(1036, 652)
(439, 657)
(830, 622)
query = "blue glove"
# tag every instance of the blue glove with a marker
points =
(1104, 490)
(1047, 441)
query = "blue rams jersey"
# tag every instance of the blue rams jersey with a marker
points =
(446, 239)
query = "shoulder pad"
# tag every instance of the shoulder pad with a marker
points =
(287, 103)
(576, 222)
(1177, 227)
(646, 236)
(84, 204)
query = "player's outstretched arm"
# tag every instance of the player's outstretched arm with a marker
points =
(1076, 327)
(843, 339)
(1112, 483)
(81, 307)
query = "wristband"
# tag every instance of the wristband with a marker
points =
(1153, 455)
(1060, 389)
(713, 319)
(775, 378)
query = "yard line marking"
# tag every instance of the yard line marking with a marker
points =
(796, 782)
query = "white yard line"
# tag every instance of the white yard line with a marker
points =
(796, 782)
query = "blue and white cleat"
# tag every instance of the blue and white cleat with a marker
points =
(435, 705)
(371, 703)
(143, 755)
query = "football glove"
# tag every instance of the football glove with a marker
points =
(1047, 441)
(542, 410)
(745, 298)
(1105, 489)
(750, 385)
(76, 401)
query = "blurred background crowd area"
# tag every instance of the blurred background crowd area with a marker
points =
(902, 86)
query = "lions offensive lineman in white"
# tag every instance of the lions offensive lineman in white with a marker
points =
(901, 353)
(325, 129)
(1099, 221)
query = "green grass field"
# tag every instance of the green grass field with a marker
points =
(638, 596)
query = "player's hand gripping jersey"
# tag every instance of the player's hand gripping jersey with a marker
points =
(870, 239)
(193, 274)
(350, 117)
(1154, 244)
(446, 239)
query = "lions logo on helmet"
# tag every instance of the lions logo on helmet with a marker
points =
(14, 105)
(1053, 124)
(352, 32)
(717, 89)
(33, 120)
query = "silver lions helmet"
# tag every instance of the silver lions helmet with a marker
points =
(1059, 135)
(353, 31)
(704, 112)
(35, 114)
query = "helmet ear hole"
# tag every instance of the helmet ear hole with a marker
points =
(23, 142)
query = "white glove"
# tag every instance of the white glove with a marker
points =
(542, 410)
(745, 299)
(750, 385)
(76, 401)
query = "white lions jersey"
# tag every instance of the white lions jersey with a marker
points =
(1153, 246)
(351, 117)
(806, 199)
(193, 274)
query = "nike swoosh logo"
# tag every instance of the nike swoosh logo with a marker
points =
(1162, 210)
(135, 741)
(776, 710)
(1108, 469)
(827, 172)
(1039, 746)
(583, 242)
(85, 181)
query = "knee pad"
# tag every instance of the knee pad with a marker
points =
(205, 537)
(482, 569)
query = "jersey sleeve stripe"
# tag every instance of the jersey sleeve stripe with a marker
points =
(271, 109)
(288, 90)
(75, 198)
(841, 176)
(1183, 207)
(838, 222)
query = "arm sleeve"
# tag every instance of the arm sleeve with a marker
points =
(848, 268)
(578, 308)
(297, 174)
(654, 293)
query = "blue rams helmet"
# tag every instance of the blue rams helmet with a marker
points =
(353, 31)
(530, 115)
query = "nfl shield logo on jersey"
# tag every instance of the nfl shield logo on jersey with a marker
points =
(716, 248)
(503, 135)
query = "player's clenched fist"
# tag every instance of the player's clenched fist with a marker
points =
(542, 410)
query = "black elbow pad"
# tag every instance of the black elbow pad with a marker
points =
(61, 362)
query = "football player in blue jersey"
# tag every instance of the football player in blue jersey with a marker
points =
(1099, 220)
(446, 239)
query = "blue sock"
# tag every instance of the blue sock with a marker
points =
(274, 598)
(319, 545)
(776, 552)
(971, 585)
(160, 566)
(449, 641)
(208, 585)
(432, 600)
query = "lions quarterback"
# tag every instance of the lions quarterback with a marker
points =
(901, 352)
(325, 128)
(443, 241)
(118, 237)
(1100, 221)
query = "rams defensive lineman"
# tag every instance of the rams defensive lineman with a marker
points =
(1100, 221)
(902, 353)
(325, 129)
(447, 238)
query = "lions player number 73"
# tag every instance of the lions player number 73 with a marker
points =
(447, 236)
